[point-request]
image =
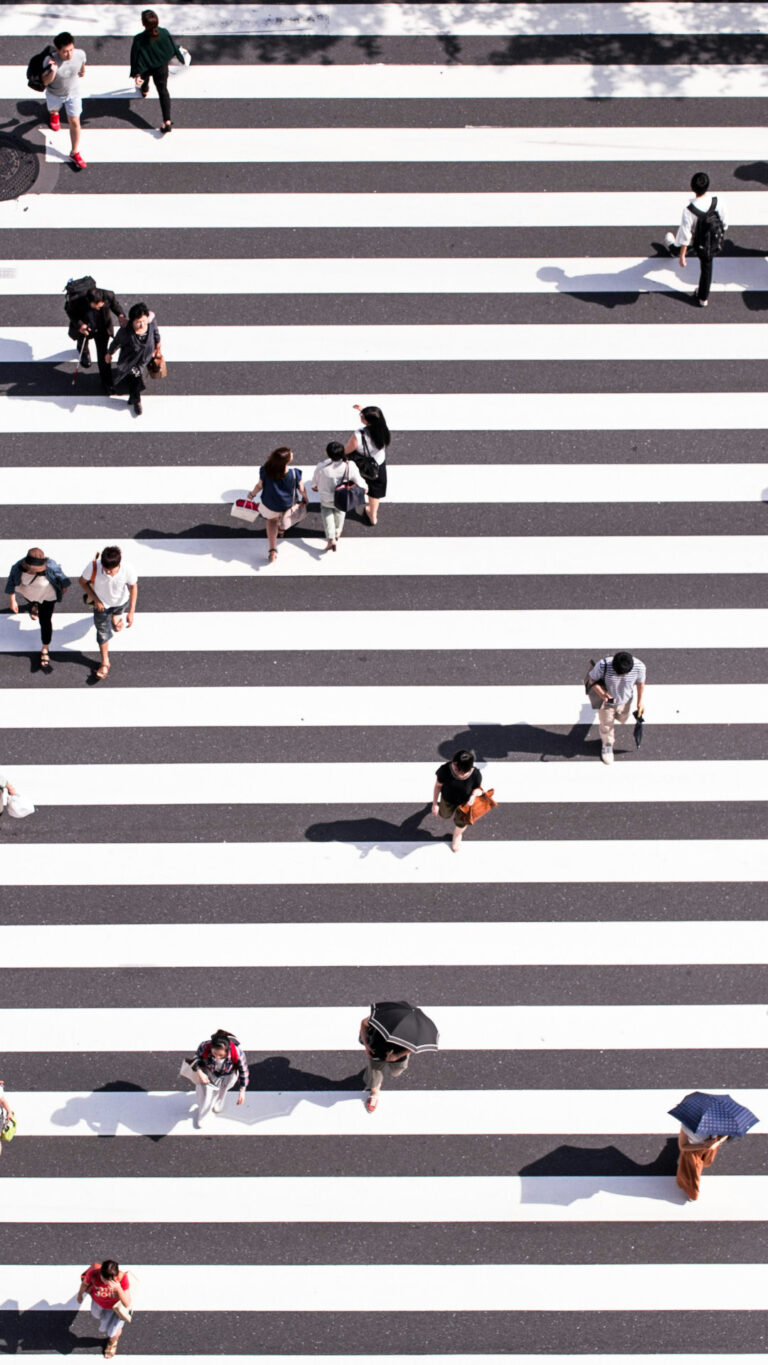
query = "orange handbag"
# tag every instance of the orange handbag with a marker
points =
(479, 807)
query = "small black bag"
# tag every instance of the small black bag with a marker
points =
(369, 468)
(35, 70)
(348, 495)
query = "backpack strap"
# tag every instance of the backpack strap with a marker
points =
(93, 570)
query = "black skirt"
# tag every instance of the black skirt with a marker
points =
(377, 488)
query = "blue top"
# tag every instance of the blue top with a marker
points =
(52, 571)
(279, 494)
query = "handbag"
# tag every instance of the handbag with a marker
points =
(157, 368)
(185, 1070)
(348, 495)
(369, 468)
(19, 807)
(297, 511)
(244, 510)
(8, 1130)
(479, 807)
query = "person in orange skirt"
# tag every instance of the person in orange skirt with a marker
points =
(695, 1154)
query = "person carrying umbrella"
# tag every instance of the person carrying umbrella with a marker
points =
(707, 1121)
(390, 1033)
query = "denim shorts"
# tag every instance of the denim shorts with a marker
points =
(73, 104)
(103, 622)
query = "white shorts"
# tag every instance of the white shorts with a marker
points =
(267, 513)
(73, 105)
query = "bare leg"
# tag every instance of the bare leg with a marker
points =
(74, 133)
(373, 510)
(104, 669)
(272, 536)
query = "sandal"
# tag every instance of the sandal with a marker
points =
(272, 556)
(34, 611)
(372, 1103)
(103, 670)
(45, 662)
(110, 1350)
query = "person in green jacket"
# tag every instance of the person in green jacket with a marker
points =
(151, 51)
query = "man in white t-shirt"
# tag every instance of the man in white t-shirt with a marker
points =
(62, 72)
(694, 230)
(111, 585)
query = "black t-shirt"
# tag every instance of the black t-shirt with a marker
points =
(378, 1045)
(457, 790)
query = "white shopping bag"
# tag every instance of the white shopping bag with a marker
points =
(245, 510)
(19, 807)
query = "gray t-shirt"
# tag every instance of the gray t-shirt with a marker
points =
(66, 82)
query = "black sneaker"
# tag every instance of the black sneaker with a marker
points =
(137, 408)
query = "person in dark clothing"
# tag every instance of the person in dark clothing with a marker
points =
(39, 583)
(92, 317)
(382, 1060)
(138, 343)
(456, 784)
(151, 51)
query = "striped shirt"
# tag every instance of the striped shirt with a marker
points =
(619, 685)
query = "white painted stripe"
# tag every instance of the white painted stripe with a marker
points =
(218, 631)
(371, 785)
(477, 412)
(501, 209)
(424, 557)
(243, 146)
(362, 275)
(340, 1114)
(350, 944)
(427, 341)
(247, 708)
(536, 1028)
(158, 485)
(698, 1287)
(393, 20)
(399, 1199)
(390, 863)
(376, 81)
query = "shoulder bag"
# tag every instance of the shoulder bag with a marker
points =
(297, 511)
(348, 495)
(479, 807)
(369, 468)
(8, 1130)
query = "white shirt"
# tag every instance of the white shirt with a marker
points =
(111, 589)
(36, 588)
(329, 475)
(378, 455)
(688, 223)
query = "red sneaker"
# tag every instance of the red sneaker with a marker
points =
(54, 123)
(76, 158)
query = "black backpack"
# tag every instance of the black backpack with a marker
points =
(709, 233)
(35, 70)
(75, 289)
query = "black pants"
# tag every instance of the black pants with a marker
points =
(133, 385)
(705, 278)
(160, 77)
(46, 617)
(101, 341)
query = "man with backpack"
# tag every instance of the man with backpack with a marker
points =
(92, 313)
(703, 227)
(62, 70)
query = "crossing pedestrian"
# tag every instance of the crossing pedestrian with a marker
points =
(151, 51)
(614, 679)
(6, 1113)
(39, 583)
(702, 227)
(279, 491)
(695, 1154)
(369, 446)
(383, 1060)
(219, 1063)
(332, 471)
(63, 70)
(92, 317)
(110, 1290)
(457, 784)
(111, 586)
(137, 343)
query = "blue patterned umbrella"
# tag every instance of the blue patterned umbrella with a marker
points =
(713, 1115)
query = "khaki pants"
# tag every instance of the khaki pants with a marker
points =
(607, 717)
(375, 1072)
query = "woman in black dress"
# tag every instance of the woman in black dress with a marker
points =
(138, 343)
(368, 446)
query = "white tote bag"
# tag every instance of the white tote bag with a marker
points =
(185, 1071)
(245, 510)
(19, 807)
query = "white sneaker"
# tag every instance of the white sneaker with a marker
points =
(669, 242)
(218, 1106)
(606, 753)
(703, 303)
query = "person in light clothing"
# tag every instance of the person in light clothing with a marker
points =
(332, 471)
(39, 583)
(63, 70)
(691, 232)
(615, 677)
(219, 1063)
(111, 585)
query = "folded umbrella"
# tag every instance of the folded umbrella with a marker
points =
(638, 731)
(404, 1025)
(708, 1115)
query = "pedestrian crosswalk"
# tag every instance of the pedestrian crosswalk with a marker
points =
(456, 212)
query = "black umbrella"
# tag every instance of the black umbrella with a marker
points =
(639, 723)
(404, 1025)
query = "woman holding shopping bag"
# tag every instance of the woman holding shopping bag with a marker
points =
(110, 1291)
(332, 471)
(280, 489)
(219, 1063)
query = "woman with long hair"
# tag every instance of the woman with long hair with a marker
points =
(151, 51)
(279, 491)
(369, 446)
